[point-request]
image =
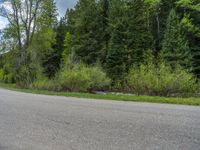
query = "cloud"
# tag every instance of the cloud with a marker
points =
(6, 5)
(64, 4)
(3, 22)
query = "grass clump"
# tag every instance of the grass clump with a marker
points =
(45, 84)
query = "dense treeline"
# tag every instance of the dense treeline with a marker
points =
(139, 46)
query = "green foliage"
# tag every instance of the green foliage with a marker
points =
(191, 24)
(175, 46)
(8, 73)
(191, 4)
(1, 75)
(48, 15)
(82, 79)
(130, 26)
(45, 84)
(67, 51)
(186, 22)
(117, 34)
(85, 29)
(42, 52)
(27, 74)
(161, 80)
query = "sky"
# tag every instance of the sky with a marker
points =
(61, 4)
(64, 4)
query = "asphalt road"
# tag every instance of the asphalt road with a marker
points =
(38, 122)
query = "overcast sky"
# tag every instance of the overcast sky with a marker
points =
(64, 4)
(61, 4)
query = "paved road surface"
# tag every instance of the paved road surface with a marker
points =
(37, 122)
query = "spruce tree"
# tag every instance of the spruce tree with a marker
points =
(116, 59)
(103, 35)
(118, 54)
(84, 27)
(191, 23)
(139, 34)
(130, 36)
(48, 17)
(61, 30)
(175, 47)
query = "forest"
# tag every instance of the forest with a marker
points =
(143, 47)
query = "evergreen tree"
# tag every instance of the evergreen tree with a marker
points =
(118, 53)
(159, 11)
(140, 37)
(103, 32)
(130, 29)
(117, 57)
(48, 17)
(60, 30)
(84, 28)
(175, 46)
(191, 22)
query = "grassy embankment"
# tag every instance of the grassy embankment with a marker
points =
(129, 98)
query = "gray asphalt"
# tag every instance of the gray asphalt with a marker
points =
(38, 122)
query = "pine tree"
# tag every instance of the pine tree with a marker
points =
(103, 35)
(159, 11)
(140, 38)
(48, 17)
(175, 47)
(118, 56)
(84, 31)
(61, 30)
(191, 22)
(130, 36)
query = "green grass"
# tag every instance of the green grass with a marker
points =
(129, 98)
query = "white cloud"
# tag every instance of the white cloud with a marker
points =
(6, 5)
(3, 22)
(61, 4)
(64, 4)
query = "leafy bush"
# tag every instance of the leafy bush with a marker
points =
(1, 75)
(8, 74)
(27, 74)
(161, 80)
(82, 78)
(46, 84)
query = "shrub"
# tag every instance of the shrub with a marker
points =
(161, 80)
(98, 78)
(27, 74)
(82, 78)
(8, 74)
(46, 84)
(1, 75)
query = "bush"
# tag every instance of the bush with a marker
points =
(8, 74)
(161, 80)
(82, 78)
(27, 74)
(46, 84)
(1, 75)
